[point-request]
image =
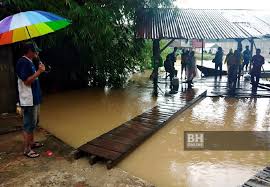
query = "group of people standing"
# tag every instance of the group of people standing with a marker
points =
(188, 64)
(236, 63)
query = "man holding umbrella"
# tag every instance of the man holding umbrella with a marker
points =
(25, 26)
(29, 96)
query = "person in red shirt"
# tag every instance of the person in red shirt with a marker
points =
(257, 63)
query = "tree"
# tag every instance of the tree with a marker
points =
(101, 34)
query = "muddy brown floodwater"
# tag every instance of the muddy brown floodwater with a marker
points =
(163, 161)
(79, 116)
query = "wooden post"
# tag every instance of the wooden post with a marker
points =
(7, 81)
(167, 45)
(239, 44)
(202, 55)
(239, 48)
(251, 50)
(156, 58)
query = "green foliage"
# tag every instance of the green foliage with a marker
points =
(148, 53)
(206, 56)
(102, 33)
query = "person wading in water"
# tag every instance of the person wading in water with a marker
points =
(257, 63)
(191, 69)
(233, 64)
(218, 62)
(247, 57)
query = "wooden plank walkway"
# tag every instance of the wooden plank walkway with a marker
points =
(116, 144)
(218, 88)
(261, 179)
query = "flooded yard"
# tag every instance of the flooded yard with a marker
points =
(79, 116)
(163, 161)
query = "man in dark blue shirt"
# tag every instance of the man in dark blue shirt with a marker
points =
(29, 96)
(218, 61)
(169, 64)
(257, 63)
(171, 58)
(247, 57)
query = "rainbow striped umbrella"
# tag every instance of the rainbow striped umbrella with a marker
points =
(30, 24)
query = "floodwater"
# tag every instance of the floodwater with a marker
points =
(163, 161)
(79, 116)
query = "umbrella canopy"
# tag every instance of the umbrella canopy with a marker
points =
(30, 24)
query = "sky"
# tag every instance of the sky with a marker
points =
(224, 4)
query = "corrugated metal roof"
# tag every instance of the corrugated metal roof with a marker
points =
(169, 23)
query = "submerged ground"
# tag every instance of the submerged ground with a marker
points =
(79, 116)
(164, 152)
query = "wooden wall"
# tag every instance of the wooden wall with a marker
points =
(7, 81)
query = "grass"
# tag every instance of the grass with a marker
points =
(206, 56)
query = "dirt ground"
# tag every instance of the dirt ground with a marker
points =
(60, 169)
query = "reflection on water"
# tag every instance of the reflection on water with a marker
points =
(79, 116)
(162, 160)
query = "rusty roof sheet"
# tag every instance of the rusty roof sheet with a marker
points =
(170, 23)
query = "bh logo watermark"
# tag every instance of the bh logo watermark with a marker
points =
(193, 140)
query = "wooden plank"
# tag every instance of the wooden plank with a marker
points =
(138, 127)
(138, 130)
(165, 107)
(153, 115)
(267, 169)
(256, 183)
(130, 133)
(263, 176)
(163, 113)
(130, 136)
(245, 185)
(77, 154)
(152, 119)
(103, 153)
(171, 106)
(157, 112)
(126, 134)
(173, 103)
(119, 142)
(149, 121)
(111, 163)
(126, 129)
(93, 159)
(261, 179)
(170, 113)
(143, 123)
(115, 138)
(164, 110)
(110, 145)
(148, 125)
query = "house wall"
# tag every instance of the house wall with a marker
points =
(7, 81)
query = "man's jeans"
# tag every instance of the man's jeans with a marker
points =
(30, 118)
